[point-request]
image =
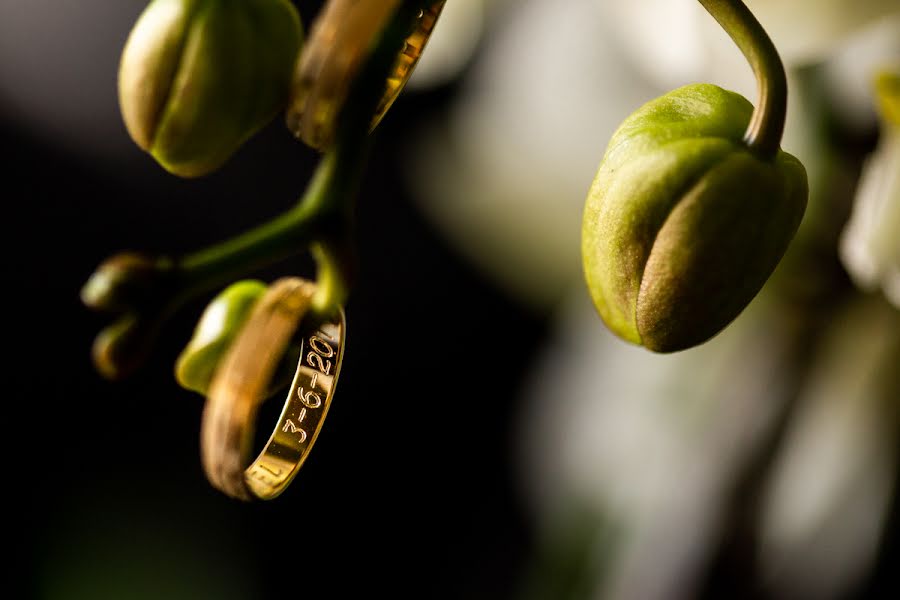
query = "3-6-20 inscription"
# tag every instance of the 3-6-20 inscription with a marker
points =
(312, 386)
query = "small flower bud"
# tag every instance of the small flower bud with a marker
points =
(198, 77)
(126, 281)
(123, 346)
(683, 223)
(215, 331)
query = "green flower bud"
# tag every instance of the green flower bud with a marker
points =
(214, 333)
(127, 281)
(198, 77)
(683, 223)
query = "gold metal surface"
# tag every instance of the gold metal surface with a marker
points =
(237, 390)
(338, 44)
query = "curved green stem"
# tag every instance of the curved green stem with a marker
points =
(280, 238)
(322, 212)
(763, 135)
(332, 280)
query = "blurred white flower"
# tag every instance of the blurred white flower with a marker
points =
(653, 441)
(505, 176)
(849, 73)
(807, 31)
(829, 493)
(656, 444)
(870, 244)
(676, 40)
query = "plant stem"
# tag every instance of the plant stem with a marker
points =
(763, 135)
(331, 247)
(323, 215)
(280, 238)
(332, 281)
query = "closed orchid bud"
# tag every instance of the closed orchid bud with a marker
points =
(214, 333)
(122, 347)
(198, 77)
(216, 330)
(127, 281)
(684, 223)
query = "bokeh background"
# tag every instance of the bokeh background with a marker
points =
(489, 438)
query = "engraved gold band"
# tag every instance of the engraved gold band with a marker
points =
(340, 39)
(238, 388)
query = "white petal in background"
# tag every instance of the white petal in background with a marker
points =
(653, 442)
(852, 69)
(807, 31)
(453, 42)
(830, 491)
(676, 40)
(870, 245)
(505, 176)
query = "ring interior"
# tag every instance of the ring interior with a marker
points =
(304, 412)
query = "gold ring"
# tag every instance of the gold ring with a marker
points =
(238, 389)
(340, 39)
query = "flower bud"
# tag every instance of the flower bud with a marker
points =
(126, 281)
(214, 333)
(122, 347)
(683, 223)
(198, 77)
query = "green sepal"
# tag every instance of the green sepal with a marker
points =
(215, 331)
